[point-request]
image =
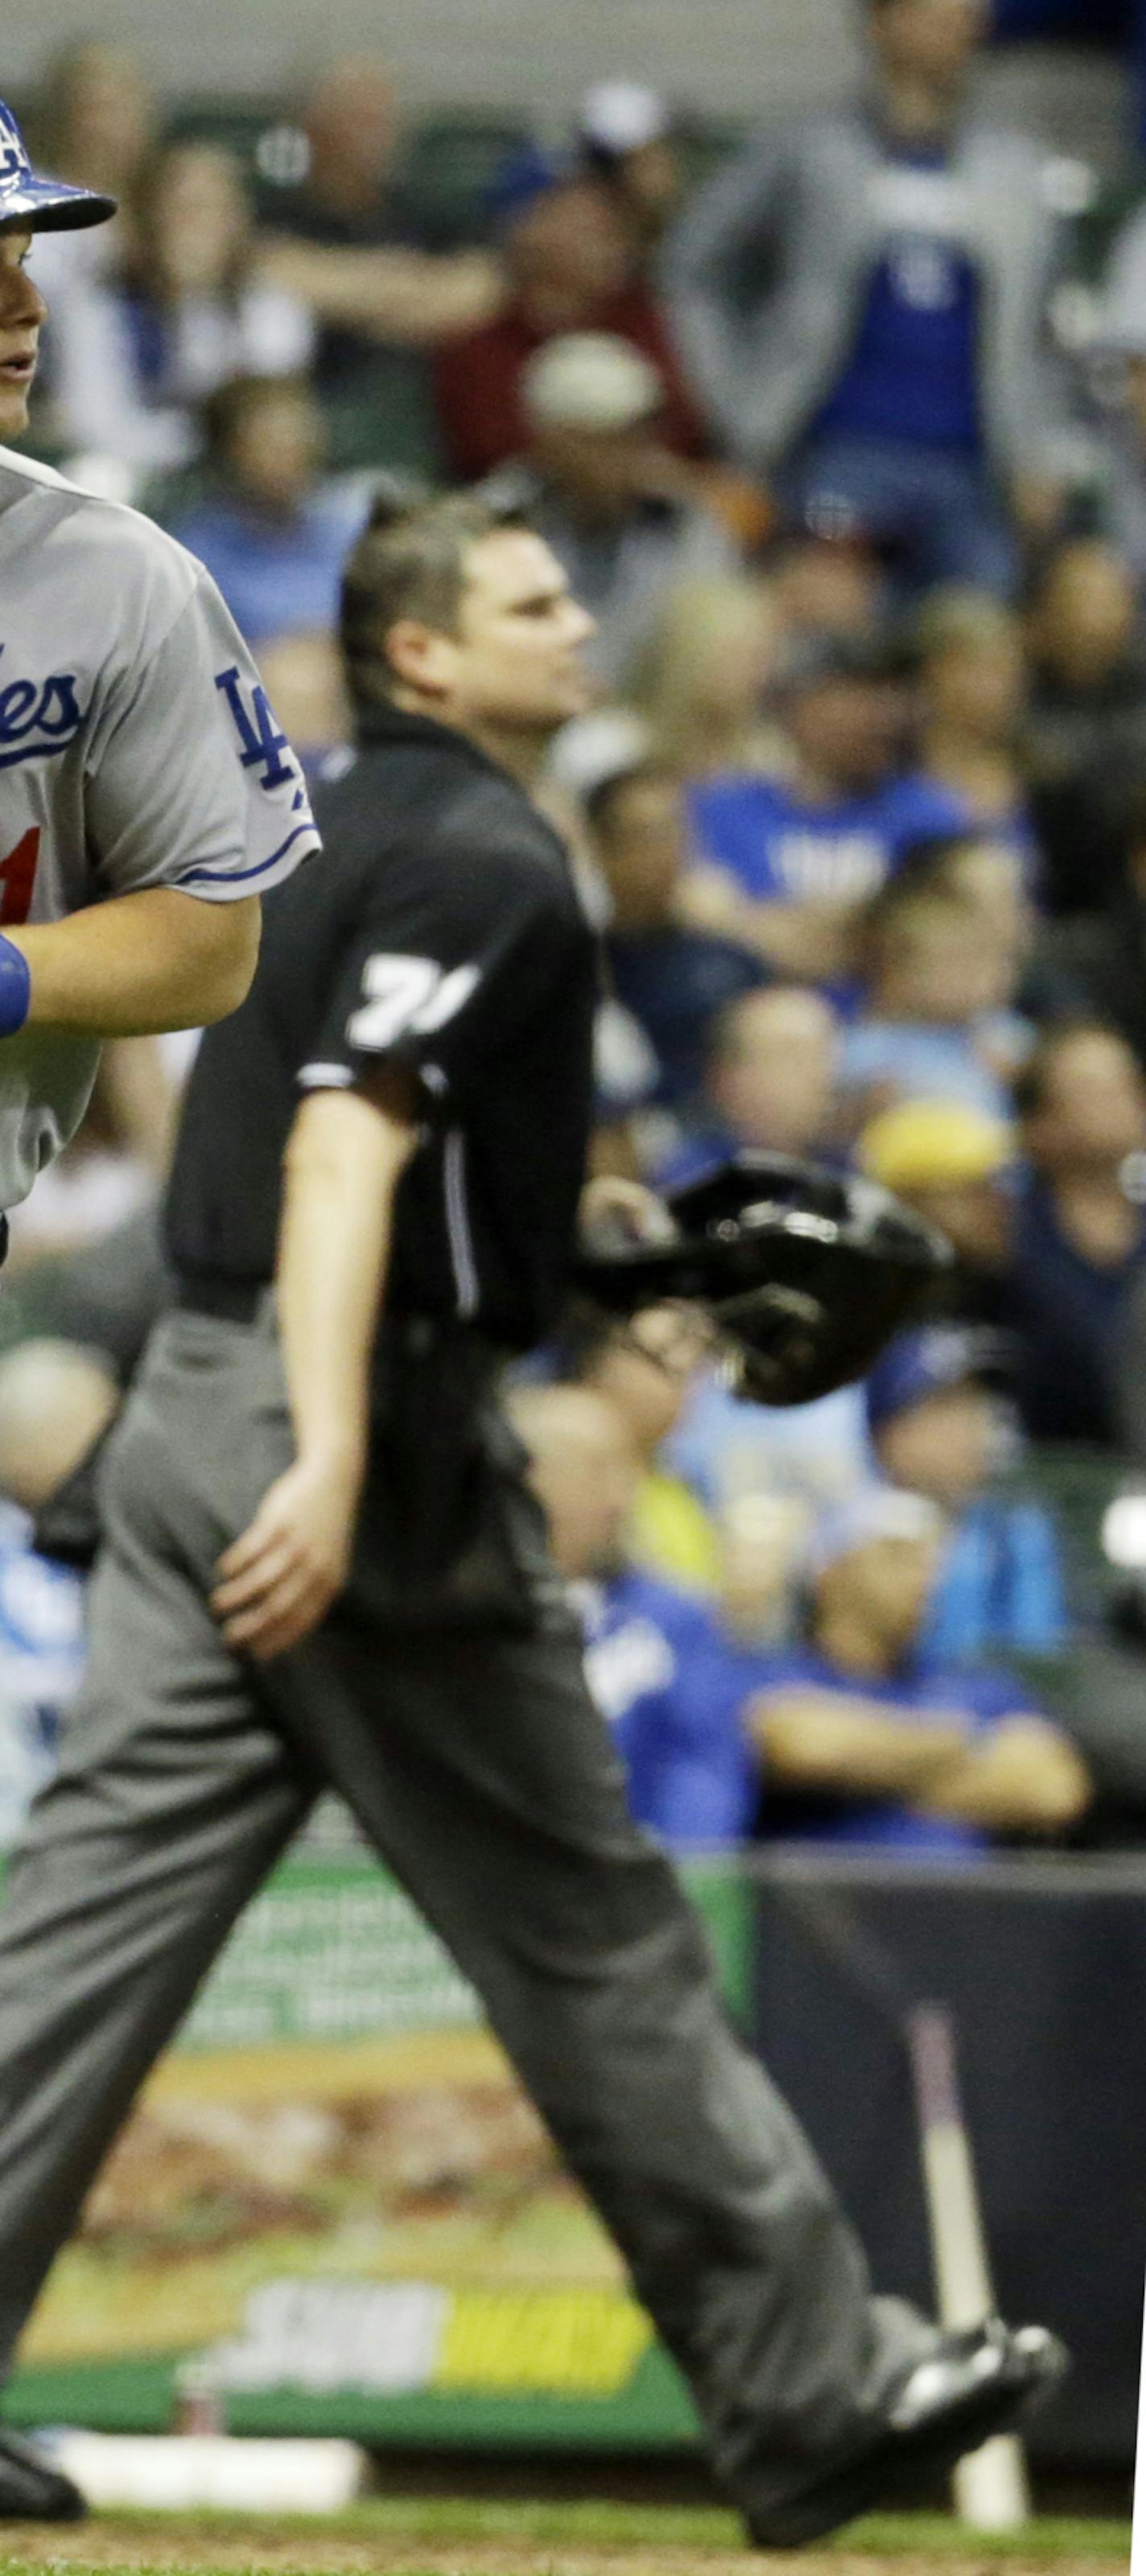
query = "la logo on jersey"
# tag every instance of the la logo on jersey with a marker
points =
(38, 717)
(262, 743)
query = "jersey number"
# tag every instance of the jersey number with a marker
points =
(407, 997)
(17, 878)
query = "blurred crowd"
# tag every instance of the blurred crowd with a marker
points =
(848, 461)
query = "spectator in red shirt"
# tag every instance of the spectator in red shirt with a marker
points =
(569, 263)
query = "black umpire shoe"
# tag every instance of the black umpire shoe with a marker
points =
(966, 2388)
(31, 2490)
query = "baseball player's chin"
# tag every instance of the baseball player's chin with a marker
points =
(13, 410)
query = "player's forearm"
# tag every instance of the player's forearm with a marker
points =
(397, 294)
(343, 1165)
(140, 964)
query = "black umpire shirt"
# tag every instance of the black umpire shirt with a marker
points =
(439, 930)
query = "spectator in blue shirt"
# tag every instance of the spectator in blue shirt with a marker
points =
(786, 864)
(867, 1739)
(941, 1426)
(670, 1685)
(270, 533)
(675, 980)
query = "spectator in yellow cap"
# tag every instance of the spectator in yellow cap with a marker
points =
(955, 1167)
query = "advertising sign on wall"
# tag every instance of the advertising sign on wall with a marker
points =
(334, 2210)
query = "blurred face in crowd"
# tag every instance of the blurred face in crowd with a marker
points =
(101, 117)
(933, 964)
(567, 255)
(844, 731)
(877, 1595)
(702, 676)
(945, 1446)
(976, 686)
(772, 1072)
(732, 648)
(824, 587)
(22, 313)
(598, 473)
(1085, 615)
(513, 664)
(930, 42)
(647, 1370)
(640, 842)
(988, 879)
(351, 122)
(1092, 1111)
(197, 220)
(585, 1470)
(274, 447)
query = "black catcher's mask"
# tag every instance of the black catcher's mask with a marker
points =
(803, 1272)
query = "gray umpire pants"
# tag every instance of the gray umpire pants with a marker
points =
(479, 1768)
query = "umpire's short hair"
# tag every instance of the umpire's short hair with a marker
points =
(409, 561)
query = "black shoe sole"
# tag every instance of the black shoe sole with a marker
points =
(60, 2510)
(894, 2465)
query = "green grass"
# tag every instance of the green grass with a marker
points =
(189, 2539)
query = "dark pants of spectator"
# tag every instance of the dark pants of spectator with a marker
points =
(478, 1766)
(940, 516)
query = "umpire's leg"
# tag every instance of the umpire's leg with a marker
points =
(173, 1800)
(485, 1776)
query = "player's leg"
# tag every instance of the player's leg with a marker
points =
(174, 1797)
(484, 1774)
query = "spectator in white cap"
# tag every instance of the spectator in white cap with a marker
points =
(625, 133)
(867, 1740)
(602, 489)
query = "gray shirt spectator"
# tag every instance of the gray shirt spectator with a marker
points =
(860, 302)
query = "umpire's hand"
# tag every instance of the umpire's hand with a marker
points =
(278, 1580)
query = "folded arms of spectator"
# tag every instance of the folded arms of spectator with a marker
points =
(1022, 1777)
(811, 942)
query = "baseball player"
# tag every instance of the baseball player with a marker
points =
(147, 796)
(323, 1567)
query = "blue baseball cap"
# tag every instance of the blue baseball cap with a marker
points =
(519, 181)
(31, 203)
(917, 1365)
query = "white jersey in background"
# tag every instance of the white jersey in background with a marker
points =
(137, 748)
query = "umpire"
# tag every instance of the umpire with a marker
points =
(322, 1569)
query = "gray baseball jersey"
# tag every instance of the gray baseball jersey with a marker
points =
(137, 748)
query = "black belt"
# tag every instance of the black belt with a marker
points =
(231, 1301)
(237, 1301)
(3, 1240)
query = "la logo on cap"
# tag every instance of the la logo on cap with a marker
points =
(13, 158)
